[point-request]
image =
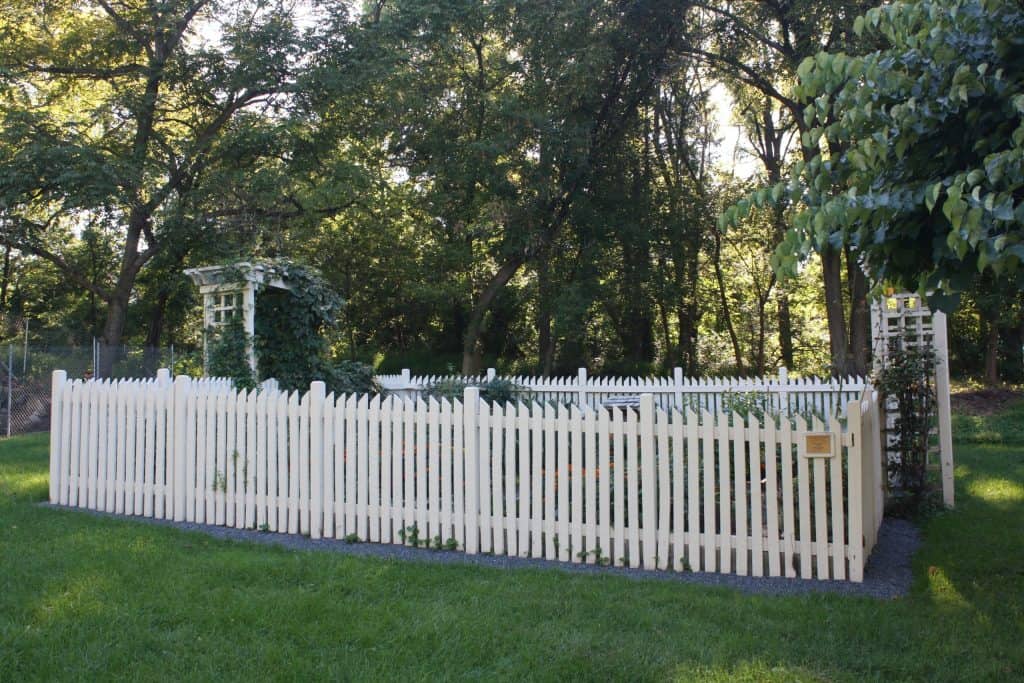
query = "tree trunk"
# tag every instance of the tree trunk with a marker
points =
(992, 355)
(151, 352)
(117, 304)
(724, 302)
(860, 316)
(785, 329)
(831, 270)
(470, 355)
(545, 342)
(6, 277)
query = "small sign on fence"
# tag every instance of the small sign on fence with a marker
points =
(819, 445)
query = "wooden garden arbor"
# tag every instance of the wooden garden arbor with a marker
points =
(228, 291)
(906, 317)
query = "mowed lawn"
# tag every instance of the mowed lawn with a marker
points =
(94, 598)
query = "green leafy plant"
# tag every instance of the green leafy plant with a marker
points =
(352, 538)
(495, 390)
(228, 353)
(906, 379)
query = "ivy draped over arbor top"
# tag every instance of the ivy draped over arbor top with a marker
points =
(290, 325)
(920, 168)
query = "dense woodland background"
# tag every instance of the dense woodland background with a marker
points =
(523, 184)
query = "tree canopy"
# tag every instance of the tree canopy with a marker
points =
(919, 166)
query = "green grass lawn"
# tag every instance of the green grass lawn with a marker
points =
(94, 598)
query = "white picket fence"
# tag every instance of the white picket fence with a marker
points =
(647, 488)
(807, 396)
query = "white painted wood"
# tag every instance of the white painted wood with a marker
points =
(317, 398)
(772, 496)
(804, 495)
(523, 503)
(351, 462)
(58, 379)
(724, 495)
(385, 460)
(104, 442)
(179, 426)
(471, 408)
(263, 420)
(945, 417)
(509, 471)
(604, 477)
(562, 485)
(421, 460)
(304, 465)
(632, 490)
(281, 484)
(549, 469)
(739, 487)
(573, 485)
(149, 449)
(397, 469)
(753, 442)
(163, 446)
(294, 419)
(556, 482)
(250, 459)
(710, 536)
(483, 481)
(459, 474)
(648, 481)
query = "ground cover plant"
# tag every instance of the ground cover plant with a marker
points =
(93, 597)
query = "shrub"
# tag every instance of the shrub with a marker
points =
(906, 380)
(228, 354)
(495, 390)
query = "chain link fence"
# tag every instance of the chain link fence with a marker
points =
(26, 369)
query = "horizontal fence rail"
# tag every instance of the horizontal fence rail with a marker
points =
(644, 488)
(807, 396)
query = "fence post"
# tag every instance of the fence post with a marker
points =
(10, 384)
(177, 432)
(855, 488)
(317, 398)
(648, 485)
(581, 380)
(940, 345)
(491, 374)
(57, 382)
(471, 441)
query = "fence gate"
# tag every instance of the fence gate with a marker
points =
(906, 317)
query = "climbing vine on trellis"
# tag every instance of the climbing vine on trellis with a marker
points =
(289, 334)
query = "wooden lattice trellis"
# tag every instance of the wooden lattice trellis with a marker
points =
(229, 291)
(908, 318)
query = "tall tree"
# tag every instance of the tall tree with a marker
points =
(114, 112)
(760, 44)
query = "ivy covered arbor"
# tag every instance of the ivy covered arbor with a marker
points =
(269, 320)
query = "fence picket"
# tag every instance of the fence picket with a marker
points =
(740, 487)
(509, 514)
(804, 491)
(656, 488)
(710, 527)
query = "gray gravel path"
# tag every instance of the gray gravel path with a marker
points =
(888, 574)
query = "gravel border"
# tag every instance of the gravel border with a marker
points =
(888, 574)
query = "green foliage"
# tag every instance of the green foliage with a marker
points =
(921, 163)
(495, 390)
(351, 377)
(906, 378)
(290, 328)
(228, 353)
(966, 581)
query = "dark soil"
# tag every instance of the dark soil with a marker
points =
(984, 401)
